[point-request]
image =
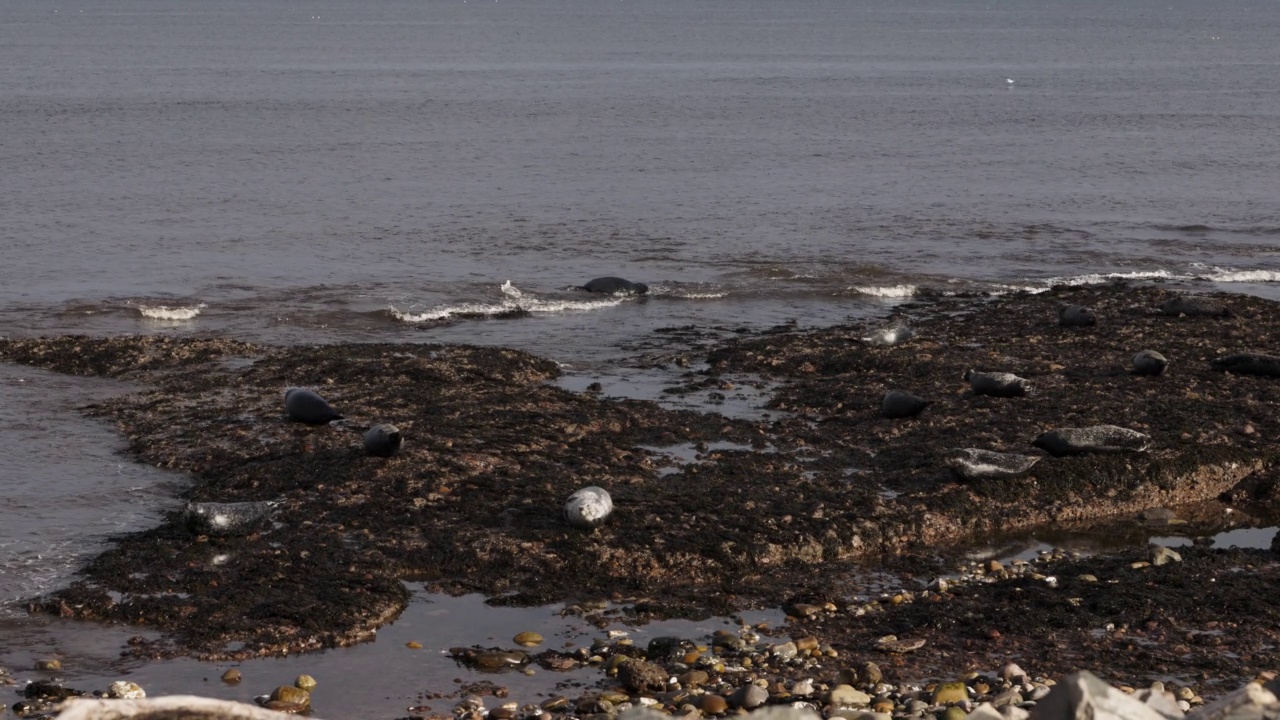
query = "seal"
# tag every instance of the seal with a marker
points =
(383, 440)
(588, 507)
(975, 464)
(1247, 364)
(998, 384)
(1149, 362)
(1076, 316)
(1094, 439)
(1194, 306)
(615, 286)
(898, 404)
(228, 519)
(305, 406)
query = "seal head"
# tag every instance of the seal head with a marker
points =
(615, 286)
(305, 406)
(383, 440)
(1149, 362)
(588, 507)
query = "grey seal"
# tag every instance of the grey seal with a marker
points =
(1247, 364)
(975, 464)
(891, 335)
(588, 507)
(1193, 306)
(898, 404)
(997, 384)
(1076, 316)
(1149, 362)
(1094, 439)
(305, 406)
(615, 286)
(228, 519)
(383, 440)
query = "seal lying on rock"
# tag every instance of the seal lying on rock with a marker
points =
(975, 464)
(1248, 364)
(997, 384)
(1149, 362)
(898, 404)
(615, 286)
(227, 519)
(588, 507)
(1076, 316)
(305, 406)
(383, 440)
(1192, 306)
(1094, 439)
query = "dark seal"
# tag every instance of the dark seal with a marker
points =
(1076, 316)
(308, 407)
(898, 404)
(1149, 362)
(1248, 364)
(383, 440)
(615, 286)
(997, 384)
(1095, 439)
(228, 519)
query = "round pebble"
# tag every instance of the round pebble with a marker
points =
(231, 676)
(305, 682)
(527, 638)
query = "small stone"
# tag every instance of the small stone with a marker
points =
(870, 674)
(558, 702)
(291, 695)
(802, 688)
(305, 682)
(231, 676)
(712, 704)
(1161, 555)
(847, 696)
(125, 690)
(49, 665)
(1087, 577)
(642, 676)
(884, 705)
(693, 679)
(413, 645)
(950, 693)
(954, 712)
(527, 638)
(785, 651)
(807, 644)
(749, 697)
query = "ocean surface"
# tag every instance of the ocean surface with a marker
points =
(316, 171)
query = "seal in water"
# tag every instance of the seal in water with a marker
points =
(588, 507)
(1149, 362)
(1248, 364)
(308, 407)
(998, 384)
(227, 519)
(975, 464)
(898, 404)
(615, 286)
(1192, 306)
(1094, 439)
(1076, 316)
(383, 440)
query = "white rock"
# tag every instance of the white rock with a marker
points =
(125, 690)
(1084, 695)
(1251, 702)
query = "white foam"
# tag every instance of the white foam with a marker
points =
(1099, 278)
(515, 301)
(886, 291)
(1241, 276)
(165, 312)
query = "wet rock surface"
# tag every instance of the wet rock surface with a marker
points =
(819, 493)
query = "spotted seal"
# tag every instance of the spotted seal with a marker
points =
(383, 440)
(975, 464)
(898, 404)
(228, 519)
(615, 286)
(306, 406)
(1076, 316)
(1094, 439)
(1149, 362)
(1247, 364)
(997, 384)
(588, 507)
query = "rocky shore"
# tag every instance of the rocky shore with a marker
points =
(796, 510)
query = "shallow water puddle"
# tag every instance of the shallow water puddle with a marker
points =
(683, 454)
(737, 398)
(382, 678)
(1089, 544)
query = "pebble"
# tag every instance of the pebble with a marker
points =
(693, 679)
(785, 651)
(1161, 555)
(290, 695)
(231, 676)
(49, 665)
(749, 697)
(848, 696)
(954, 713)
(305, 682)
(712, 704)
(527, 638)
(950, 693)
(125, 690)
(803, 688)
(413, 645)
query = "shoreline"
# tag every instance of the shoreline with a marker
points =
(772, 511)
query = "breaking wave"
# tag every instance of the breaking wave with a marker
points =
(515, 303)
(1223, 275)
(165, 312)
(886, 291)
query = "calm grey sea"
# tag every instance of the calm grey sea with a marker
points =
(327, 170)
